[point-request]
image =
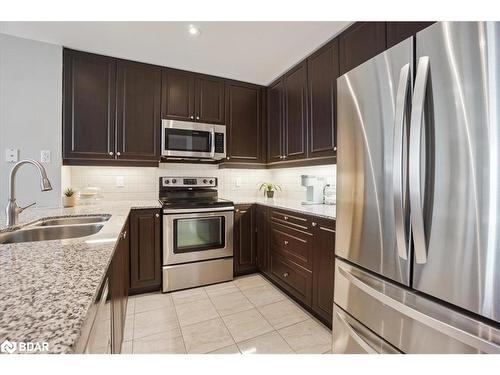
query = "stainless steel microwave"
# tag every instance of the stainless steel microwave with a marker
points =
(183, 139)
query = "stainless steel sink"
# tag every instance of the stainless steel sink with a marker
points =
(72, 220)
(33, 233)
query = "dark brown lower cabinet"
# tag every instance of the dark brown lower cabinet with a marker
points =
(245, 259)
(145, 250)
(323, 263)
(119, 289)
(262, 233)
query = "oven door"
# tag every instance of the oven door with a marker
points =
(195, 236)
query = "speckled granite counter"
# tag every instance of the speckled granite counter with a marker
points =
(321, 210)
(48, 287)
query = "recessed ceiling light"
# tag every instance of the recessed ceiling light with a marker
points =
(194, 30)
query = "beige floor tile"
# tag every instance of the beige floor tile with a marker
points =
(189, 295)
(127, 347)
(246, 282)
(220, 289)
(128, 332)
(246, 325)
(282, 314)
(150, 302)
(231, 349)
(170, 342)
(269, 343)
(227, 304)
(195, 312)
(206, 336)
(130, 306)
(155, 321)
(307, 337)
(263, 295)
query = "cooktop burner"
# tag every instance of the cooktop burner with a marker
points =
(195, 203)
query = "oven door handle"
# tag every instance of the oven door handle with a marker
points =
(196, 210)
(212, 147)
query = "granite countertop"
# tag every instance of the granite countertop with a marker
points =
(320, 210)
(48, 287)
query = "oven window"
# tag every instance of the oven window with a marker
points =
(199, 234)
(187, 140)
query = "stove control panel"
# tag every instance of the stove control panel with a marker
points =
(183, 182)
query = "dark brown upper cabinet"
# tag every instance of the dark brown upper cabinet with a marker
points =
(361, 42)
(244, 123)
(245, 258)
(295, 118)
(145, 250)
(399, 31)
(322, 74)
(275, 128)
(192, 97)
(89, 106)
(138, 117)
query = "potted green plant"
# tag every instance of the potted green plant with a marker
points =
(269, 188)
(68, 199)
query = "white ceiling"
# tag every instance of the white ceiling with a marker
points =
(255, 52)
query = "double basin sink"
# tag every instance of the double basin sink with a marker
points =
(56, 229)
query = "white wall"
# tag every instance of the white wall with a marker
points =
(30, 115)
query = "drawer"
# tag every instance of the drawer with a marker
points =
(292, 219)
(295, 279)
(293, 244)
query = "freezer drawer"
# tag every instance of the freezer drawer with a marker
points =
(407, 320)
(351, 337)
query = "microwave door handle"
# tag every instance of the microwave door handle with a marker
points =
(399, 176)
(212, 147)
(415, 160)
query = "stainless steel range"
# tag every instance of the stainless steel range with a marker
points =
(197, 233)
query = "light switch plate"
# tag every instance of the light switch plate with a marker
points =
(120, 181)
(45, 156)
(11, 155)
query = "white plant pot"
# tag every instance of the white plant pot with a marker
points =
(68, 201)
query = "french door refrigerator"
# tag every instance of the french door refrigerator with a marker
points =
(417, 265)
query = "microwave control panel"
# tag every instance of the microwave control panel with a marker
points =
(219, 143)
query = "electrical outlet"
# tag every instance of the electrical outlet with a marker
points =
(11, 155)
(120, 181)
(45, 156)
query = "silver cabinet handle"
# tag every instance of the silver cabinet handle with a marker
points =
(197, 117)
(228, 158)
(237, 210)
(191, 117)
(124, 234)
(157, 215)
(110, 153)
(314, 224)
(285, 217)
(416, 119)
(285, 274)
(286, 242)
(335, 148)
(118, 153)
(284, 156)
(399, 160)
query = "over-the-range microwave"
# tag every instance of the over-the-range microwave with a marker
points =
(183, 139)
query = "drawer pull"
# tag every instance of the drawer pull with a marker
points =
(286, 217)
(314, 224)
(285, 274)
(286, 242)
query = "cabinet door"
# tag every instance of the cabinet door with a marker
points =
(361, 42)
(244, 123)
(295, 102)
(89, 106)
(262, 232)
(399, 31)
(138, 111)
(178, 95)
(323, 70)
(209, 100)
(275, 122)
(244, 240)
(145, 250)
(323, 269)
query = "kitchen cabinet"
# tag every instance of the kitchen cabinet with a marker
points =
(322, 74)
(262, 233)
(323, 265)
(244, 240)
(119, 282)
(138, 116)
(359, 43)
(189, 96)
(275, 122)
(245, 133)
(399, 31)
(145, 250)
(89, 92)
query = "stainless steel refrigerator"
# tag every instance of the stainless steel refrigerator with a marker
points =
(418, 196)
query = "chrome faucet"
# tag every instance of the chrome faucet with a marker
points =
(13, 210)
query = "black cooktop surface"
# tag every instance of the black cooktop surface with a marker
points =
(195, 203)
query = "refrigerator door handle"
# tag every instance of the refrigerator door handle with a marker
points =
(415, 168)
(355, 335)
(399, 153)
